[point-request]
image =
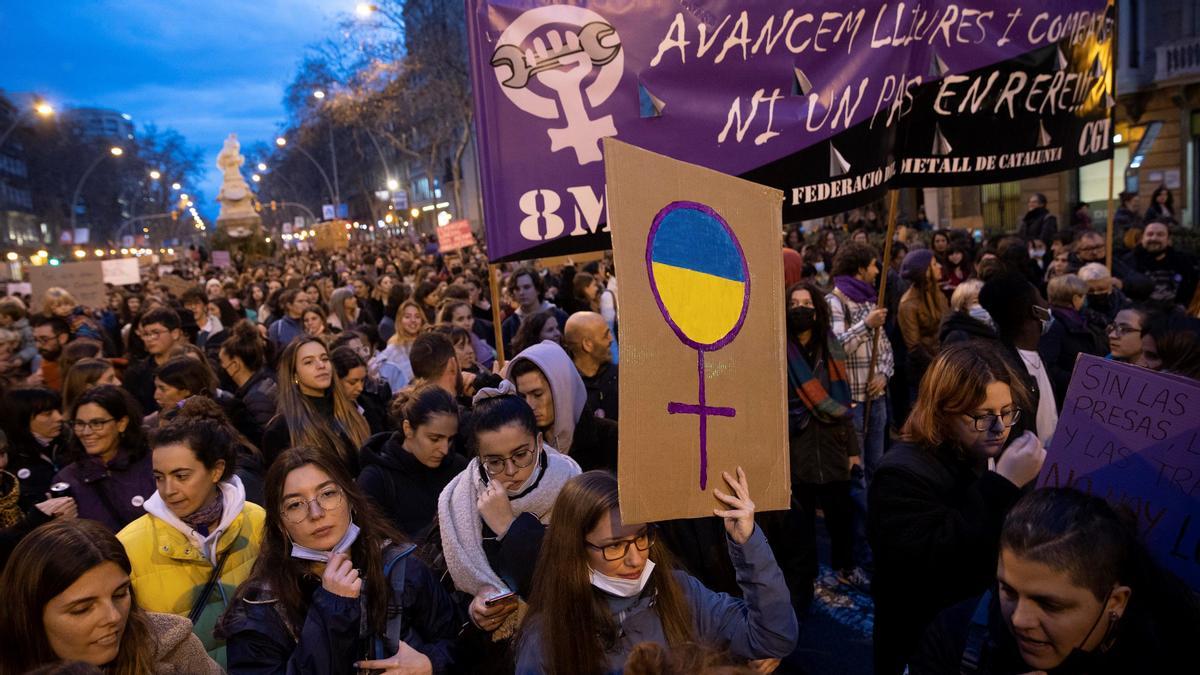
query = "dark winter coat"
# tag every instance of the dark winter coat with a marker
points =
(960, 327)
(34, 466)
(1038, 224)
(405, 489)
(332, 637)
(1172, 272)
(1068, 337)
(933, 521)
(259, 394)
(594, 445)
(602, 391)
(111, 493)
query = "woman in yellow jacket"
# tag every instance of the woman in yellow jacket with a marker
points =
(199, 537)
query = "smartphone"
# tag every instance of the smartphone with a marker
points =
(499, 599)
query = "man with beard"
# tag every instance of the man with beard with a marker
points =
(1090, 248)
(588, 340)
(1172, 272)
(50, 334)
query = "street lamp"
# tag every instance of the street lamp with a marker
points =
(41, 108)
(255, 178)
(262, 166)
(318, 94)
(364, 10)
(176, 186)
(333, 194)
(115, 151)
(393, 184)
(155, 175)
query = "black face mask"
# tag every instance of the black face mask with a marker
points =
(800, 319)
(1098, 301)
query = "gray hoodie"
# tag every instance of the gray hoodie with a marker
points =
(566, 387)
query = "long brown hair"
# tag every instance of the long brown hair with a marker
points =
(305, 425)
(955, 383)
(43, 565)
(576, 625)
(276, 569)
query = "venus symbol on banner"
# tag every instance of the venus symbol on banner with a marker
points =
(700, 280)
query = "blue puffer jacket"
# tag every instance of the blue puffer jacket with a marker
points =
(761, 626)
(332, 639)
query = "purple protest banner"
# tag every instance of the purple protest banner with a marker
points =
(830, 101)
(1132, 436)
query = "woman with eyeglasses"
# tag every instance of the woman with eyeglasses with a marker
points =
(937, 501)
(335, 588)
(314, 411)
(1076, 592)
(604, 586)
(199, 536)
(493, 515)
(109, 474)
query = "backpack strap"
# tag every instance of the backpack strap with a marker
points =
(385, 645)
(977, 636)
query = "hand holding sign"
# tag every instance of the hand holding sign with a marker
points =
(739, 519)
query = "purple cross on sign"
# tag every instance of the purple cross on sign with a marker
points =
(700, 280)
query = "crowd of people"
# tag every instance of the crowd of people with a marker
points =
(336, 461)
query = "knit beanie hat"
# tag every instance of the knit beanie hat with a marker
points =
(915, 263)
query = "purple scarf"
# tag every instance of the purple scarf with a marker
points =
(856, 289)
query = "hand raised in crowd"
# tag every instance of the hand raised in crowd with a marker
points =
(876, 318)
(1022, 460)
(490, 618)
(739, 519)
(340, 577)
(406, 661)
(58, 507)
(495, 508)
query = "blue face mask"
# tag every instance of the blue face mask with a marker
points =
(819, 266)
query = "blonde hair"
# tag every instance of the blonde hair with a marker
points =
(965, 295)
(56, 297)
(1063, 289)
(399, 338)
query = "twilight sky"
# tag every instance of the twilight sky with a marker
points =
(202, 67)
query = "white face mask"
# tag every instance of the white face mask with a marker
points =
(347, 540)
(622, 588)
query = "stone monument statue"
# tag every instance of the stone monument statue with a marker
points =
(238, 217)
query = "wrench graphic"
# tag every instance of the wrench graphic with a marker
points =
(523, 65)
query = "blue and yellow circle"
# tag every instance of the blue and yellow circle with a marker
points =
(698, 274)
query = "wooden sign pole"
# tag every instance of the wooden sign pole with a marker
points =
(494, 285)
(884, 266)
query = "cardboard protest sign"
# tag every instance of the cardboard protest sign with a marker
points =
(176, 284)
(121, 271)
(83, 280)
(455, 235)
(331, 235)
(832, 101)
(1132, 436)
(702, 351)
